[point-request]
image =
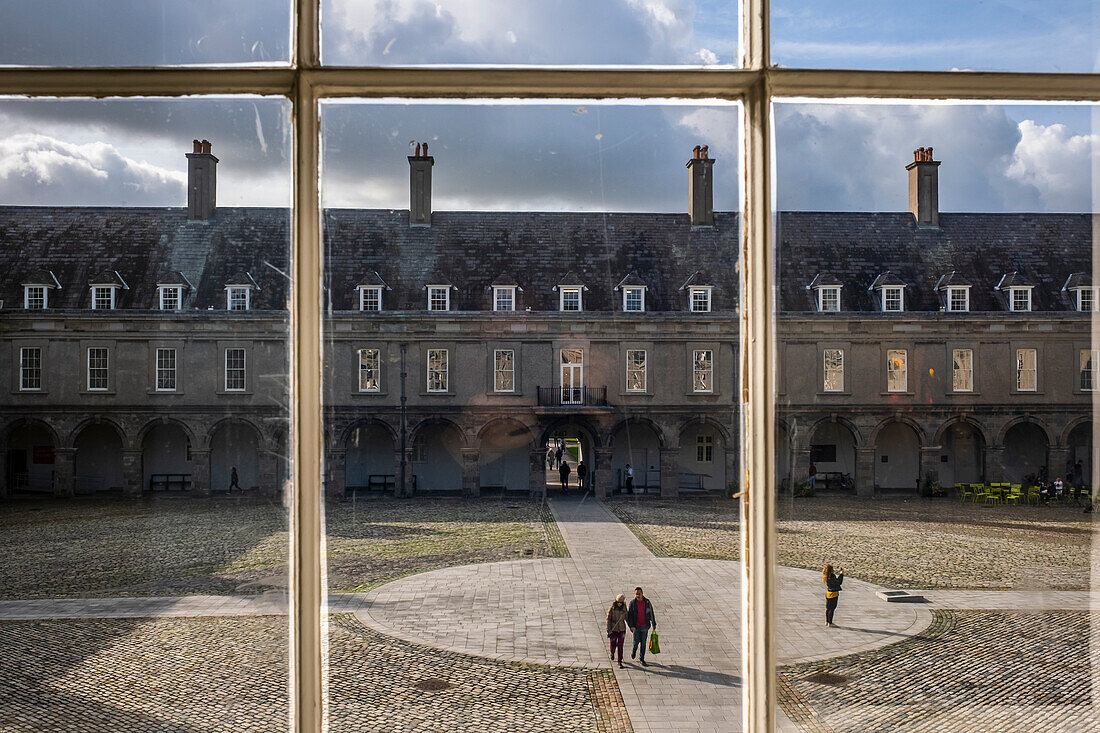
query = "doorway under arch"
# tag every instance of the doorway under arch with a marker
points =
(234, 445)
(369, 459)
(30, 459)
(1025, 451)
(166, 459)
(833, 455)
(505, 457)
(98, 459)
(897, 458)
(637, 445)
(437, 457)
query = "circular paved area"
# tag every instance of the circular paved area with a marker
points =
(552, 611)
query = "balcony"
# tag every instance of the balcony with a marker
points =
(573, 397)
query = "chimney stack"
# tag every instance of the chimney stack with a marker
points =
(420, 187)
(202, 181)
(701, 187)
(924, 188)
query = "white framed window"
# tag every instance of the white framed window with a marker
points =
(30, 369)
(35, 297)
(569, 299)
(234, 370)
(171, 297)
(702, 368)
(704, 448)
(504, 370)
(635, 370)
(699, 300)
(439, 297)
(893, 299)
(97, 369)
(572, 376)
(1086, 300)
(166, 370)
(1088, 359)
(897, 370)
(437, 370)
(504, 299)
(834, 370)
(238, 298)
(958, 299)
(370, 370)
(828, 299)
(1019, 299)
(1025, 370)
(633, 299)
(962, 370)
(103, 298)
(370, 299)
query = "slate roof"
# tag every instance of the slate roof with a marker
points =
(372, 280)
(174, 277)
(1078, 280)
(631, 280)
(886, 279)
(108, 277)
(1014, 280)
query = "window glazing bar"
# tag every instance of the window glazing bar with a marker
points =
(934, 85)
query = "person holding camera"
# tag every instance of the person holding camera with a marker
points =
(832, 582)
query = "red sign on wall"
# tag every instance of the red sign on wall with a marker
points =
(43, 454)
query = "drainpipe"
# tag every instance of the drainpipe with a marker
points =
(404, 399)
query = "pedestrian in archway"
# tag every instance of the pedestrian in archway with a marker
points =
(550, 457)
(560, 452)
(616, 627)
(832, 583)
(582, 474)
(563, 474)
(640, 618)
(233, 482)
(629, 479)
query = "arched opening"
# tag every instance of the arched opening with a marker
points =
(702, 459)
(636, 445)
(570, 443)
(437, 458)
(1079, 448)
(505, 457)
(897, 458)
(783, 458)
(166, 459)
(833, 456)
(234, 445)
(965, 451)
(369, 459)
(1025, 452)
(98, 459)
(31, 460)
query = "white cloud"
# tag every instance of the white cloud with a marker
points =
(1055, 162)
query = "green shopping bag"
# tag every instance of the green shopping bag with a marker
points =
(654, 644)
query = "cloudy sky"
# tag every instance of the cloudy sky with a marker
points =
(575, 155)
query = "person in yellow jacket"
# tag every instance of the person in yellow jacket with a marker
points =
(832, 582)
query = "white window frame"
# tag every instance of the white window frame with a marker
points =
(445, 290)
(233, 292)
(509, 292)
(165, 373)
(699, 299)
(1023, 370)
(365, 294)
(242, 369)
(163, 297)
(892, 370)
(825, 367)
(30, 375)
(964, 290)
(97, 377)
(98, 291)
(1013, 292)
(630, 290)
(833, 291)
(43, 294)
(696, 372)
(887, 292)
(365, 356)
(704, 448)
(443, 375)
(643, 371)
(968, 372)
(1088, 357)
(1080, 299)
(571, 291)
(498, 372)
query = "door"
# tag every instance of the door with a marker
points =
(572, 376)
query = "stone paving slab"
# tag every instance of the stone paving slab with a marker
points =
(1012, 600)
(267, 604)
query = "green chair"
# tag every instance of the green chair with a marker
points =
(963, 492)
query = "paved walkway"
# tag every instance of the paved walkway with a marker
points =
(266, 604)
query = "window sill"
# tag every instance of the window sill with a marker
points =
(164, 392)
(906, 393)
(369, 393)
(837, 393)
(436, 394)
(94, 392)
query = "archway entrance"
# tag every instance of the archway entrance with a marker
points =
(577, 445)
(369, 460)
(897, 458)
(30, 459)
(98, 459)
(833, 454)
(437, 458)
(505, 457)
(166, 459)
(965, 450)
(1025, 452)
(1079, 447)
(637, 445)
(235, 445)
(702, 459)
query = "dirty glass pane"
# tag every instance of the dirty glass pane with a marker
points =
(940, 35)
(526, 458)
(144, 33)
(141, 501)
(503, 32)
(947, 475)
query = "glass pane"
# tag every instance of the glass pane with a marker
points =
(615, 32)
(141, 502)
(144, 33)
(948, 481)
(996, 35)
(569, 458)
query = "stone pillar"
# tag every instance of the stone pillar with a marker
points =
(1056, 462)
(335, 475)
(200, 472)
(268, 473)
(994, 468)
(865, 472)
(603, 480)
(471, 471)
(64, 471)
(800, 460)
(405, 490)
(537, 480)
(670, 472)
(733, 475)
(131, 473)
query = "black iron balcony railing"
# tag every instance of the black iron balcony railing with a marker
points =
(573, 397)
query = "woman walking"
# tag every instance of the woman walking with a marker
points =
(616, 627)
(832, 583)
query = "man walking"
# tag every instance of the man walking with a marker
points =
(233, 482)
(582, 474)
(563, 474)
(640, 617)
(561, 450)
(629, 479)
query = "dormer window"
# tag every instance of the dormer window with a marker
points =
(238, 298)
(634, 299)
(1086, 299)
(504, 298)
(828, 299)
(103, 297)
(1019, 299)
(893, 299)
(171, 297)
(699, 299)
(569, 299)
(439, 297)
(958, 299)
(35, 298)
(370, 298)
